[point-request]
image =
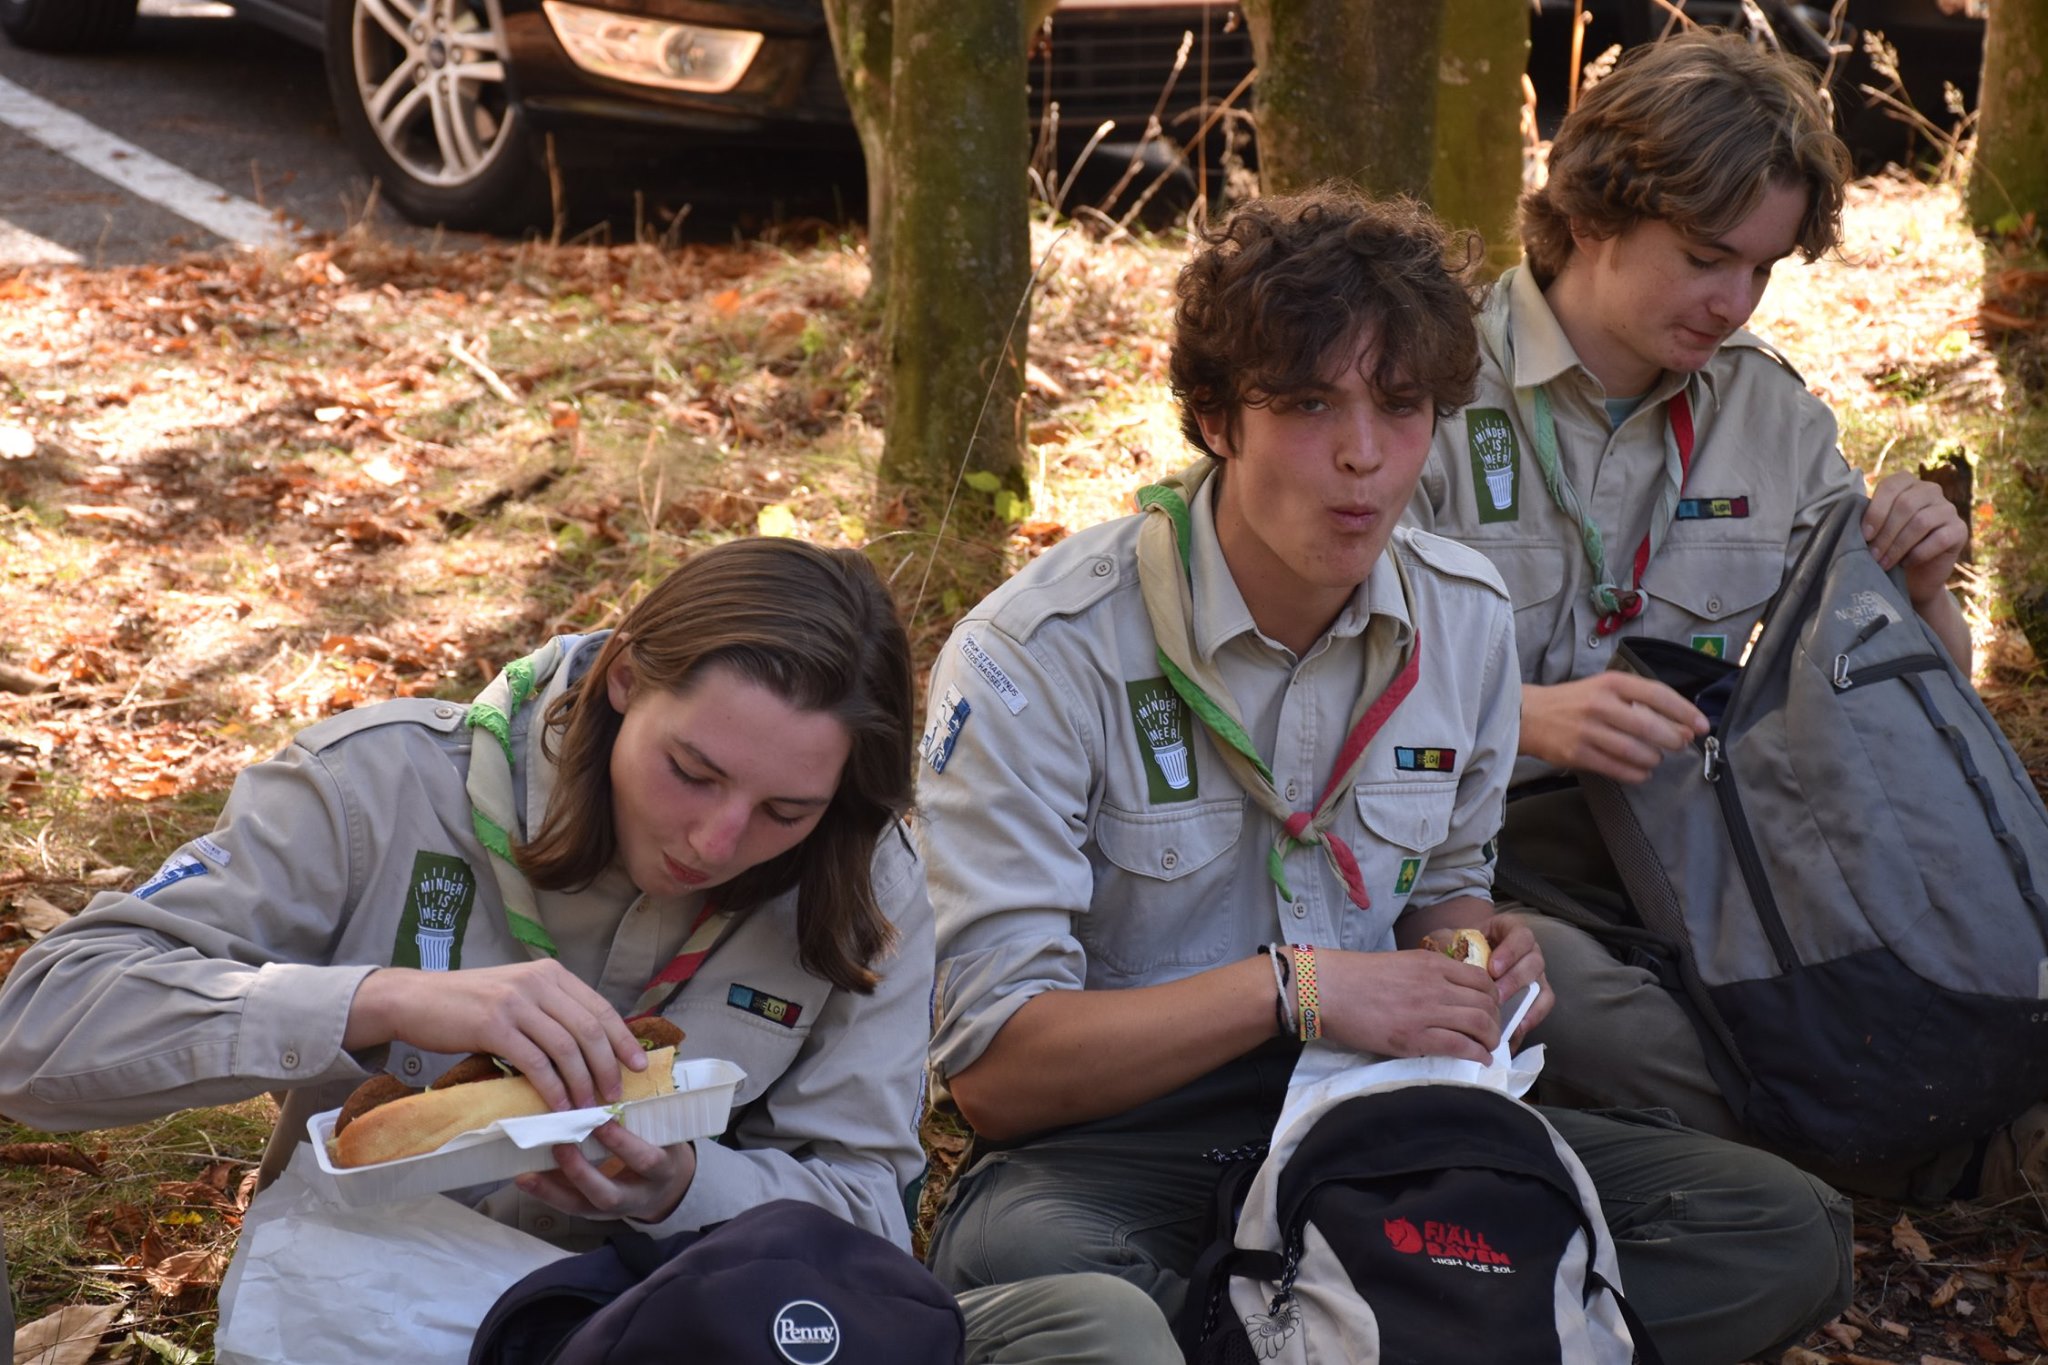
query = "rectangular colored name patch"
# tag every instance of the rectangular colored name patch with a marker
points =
(1426, 760)
(774, 1010)
(1712, 509)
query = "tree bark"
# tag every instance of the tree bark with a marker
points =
(1477, 177)
(2009, 173)
(1347, 90)
(960, 243)
(862, 42)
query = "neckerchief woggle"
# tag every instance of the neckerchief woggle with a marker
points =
(1614, 603)
(494, 813)
(1165, 571)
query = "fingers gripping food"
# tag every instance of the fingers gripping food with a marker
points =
(1466, 945)
(385, 1120)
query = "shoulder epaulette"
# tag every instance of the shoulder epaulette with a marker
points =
(1066, 581)
(444, 716)
(1449, 557)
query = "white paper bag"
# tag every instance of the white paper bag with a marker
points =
(1326, 1073)
(315, 1282)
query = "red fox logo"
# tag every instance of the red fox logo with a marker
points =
(1403, 1235)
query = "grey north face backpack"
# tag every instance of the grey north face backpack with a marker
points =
(1847, 874)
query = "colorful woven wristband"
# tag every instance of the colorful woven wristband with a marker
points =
(1308, 1013)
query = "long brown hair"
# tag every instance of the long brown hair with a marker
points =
(818, 629)
(1690, 131)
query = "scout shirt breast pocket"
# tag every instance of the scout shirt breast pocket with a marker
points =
(1402, 824)
(1151, 913)
(758, 1020)
(1709, 594)
(1534, 573)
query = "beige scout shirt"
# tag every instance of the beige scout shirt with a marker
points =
(232, 971)
(1080, 828)
(1765, 467)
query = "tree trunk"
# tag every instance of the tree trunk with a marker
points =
(960, 243)
(1478, 174)
(2009, 174)
(861, 44)
(1347, 90)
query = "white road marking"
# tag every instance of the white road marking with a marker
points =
(139, 172)
(18, 246)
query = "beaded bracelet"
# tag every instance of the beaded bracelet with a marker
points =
(1307, 1004)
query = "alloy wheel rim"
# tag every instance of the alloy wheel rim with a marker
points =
(430, 75)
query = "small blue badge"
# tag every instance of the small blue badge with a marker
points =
(936, 747)
(180, 866)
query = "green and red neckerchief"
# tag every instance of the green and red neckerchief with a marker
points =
(1614, 603)
(494, 814)
(1165, 576)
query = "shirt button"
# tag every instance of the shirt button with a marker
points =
(1169, 860)
(544, 1223)
(1293, 791)
(1714, 604)
(290, 1060)
(411, 1066)
(1102, 567)
(444, 712)
(1593, 640)
(1300, 910)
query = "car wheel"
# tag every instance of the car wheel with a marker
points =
(425, 100)
(67, 25)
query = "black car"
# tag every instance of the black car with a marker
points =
(446, 102)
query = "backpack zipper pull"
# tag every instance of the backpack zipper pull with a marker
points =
(1841, 678)
(1710, 764)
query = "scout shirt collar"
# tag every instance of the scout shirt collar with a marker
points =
(1542, 352)
(1220, 612)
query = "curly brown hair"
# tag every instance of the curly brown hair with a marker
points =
(1690, 131)
(814, 627)
(1286, 284)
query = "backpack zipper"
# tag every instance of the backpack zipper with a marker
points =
(1890, 668)
(1721, 777)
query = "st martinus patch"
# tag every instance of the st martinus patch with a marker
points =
(1496, 464)
(437, 906)
(1165, 738)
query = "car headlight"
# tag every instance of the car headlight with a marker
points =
(646, 51)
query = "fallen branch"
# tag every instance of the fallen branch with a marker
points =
(23, 681)
(482, 371)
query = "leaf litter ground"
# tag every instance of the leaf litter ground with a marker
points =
(242, 494)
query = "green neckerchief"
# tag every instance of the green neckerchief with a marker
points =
(1165, 569)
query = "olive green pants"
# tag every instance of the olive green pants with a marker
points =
(1066, 1320)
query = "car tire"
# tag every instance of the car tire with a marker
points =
(67, 25)
(424, 95)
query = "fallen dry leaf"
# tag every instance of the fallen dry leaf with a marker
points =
(1947, 1291)
(36, 915)
(2037, 1308)
(182, 1270)
(69, 1336)
(1907, 1238)
(48, 1154)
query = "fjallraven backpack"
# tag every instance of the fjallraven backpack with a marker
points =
(1417, 1223)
